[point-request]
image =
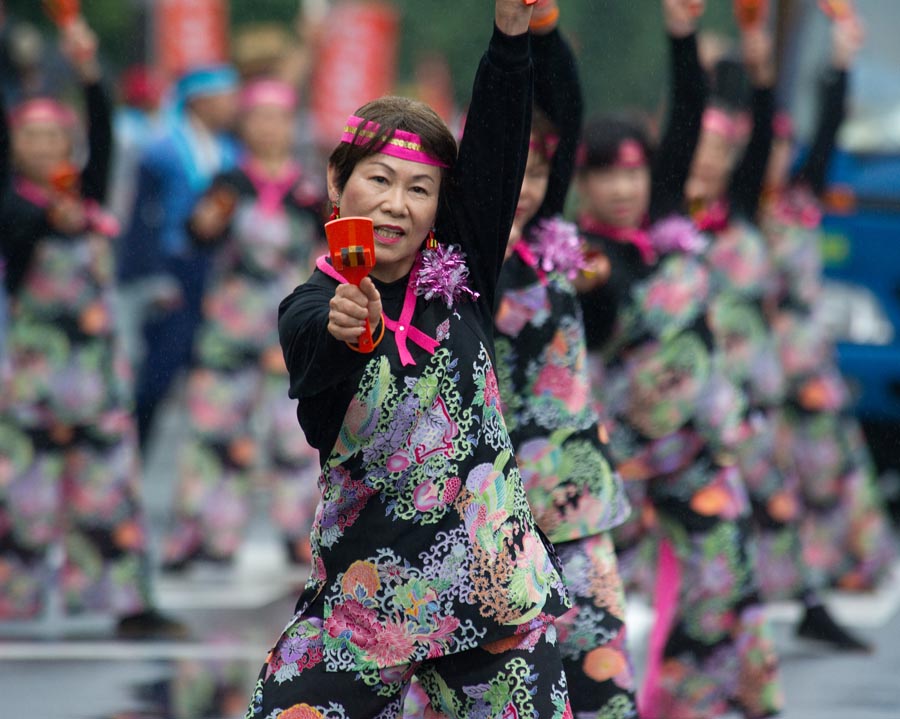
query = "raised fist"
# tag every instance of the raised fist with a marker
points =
(681, 16)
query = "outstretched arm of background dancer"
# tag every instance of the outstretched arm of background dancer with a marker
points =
(847, 39)
(747, 182)
(557, 92)
(79, 46)
(687, 101)
(485, 182)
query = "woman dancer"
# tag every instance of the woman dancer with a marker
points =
(724, 206)
(426, 559)
(263, 220)
(67, 436)
(543, 374)
(845, 532)
(674, 414)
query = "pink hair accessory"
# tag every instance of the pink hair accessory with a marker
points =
(268, 92)
(43, 109)
(402, 144)
(719, 122)
(783, 126)
(631, 154)
(547, 148)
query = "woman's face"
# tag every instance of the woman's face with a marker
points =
(534, 189)
(617, 195)
(401, 198)
(268, 131)
(711, 167)
(39, 148)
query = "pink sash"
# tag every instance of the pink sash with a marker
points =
(402, 328)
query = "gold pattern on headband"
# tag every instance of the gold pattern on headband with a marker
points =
(396, 142)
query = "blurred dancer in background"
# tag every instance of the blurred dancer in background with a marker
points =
(157, 258)
(674, 413)
(572, 488)
(846, 536)
(70, 472)
(263, 222)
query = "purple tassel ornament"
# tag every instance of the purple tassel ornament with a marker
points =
(443, 274)
(557, 246)
(677, 234)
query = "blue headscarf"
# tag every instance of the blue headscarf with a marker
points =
(208, 80)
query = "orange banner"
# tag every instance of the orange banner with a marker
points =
(356, 62)
(190, 33)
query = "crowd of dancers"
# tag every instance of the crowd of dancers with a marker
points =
(555, 412)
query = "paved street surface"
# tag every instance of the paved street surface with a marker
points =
(67, 669)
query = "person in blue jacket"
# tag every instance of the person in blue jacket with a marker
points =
(157, 259)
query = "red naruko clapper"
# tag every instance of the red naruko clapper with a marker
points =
(750, 13)
(837, 9)
(351, 244)
(63, 12)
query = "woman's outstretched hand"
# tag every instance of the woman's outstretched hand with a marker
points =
(681, 16)
(512, 16)
(79, 46)
(349, 309)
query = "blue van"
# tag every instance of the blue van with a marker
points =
(861, 242)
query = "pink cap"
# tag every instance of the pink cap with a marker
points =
(268, 92)
(631, 154)
(43, 109)
(720, 122)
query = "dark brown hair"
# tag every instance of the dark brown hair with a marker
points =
(392, 114)
(604, 134)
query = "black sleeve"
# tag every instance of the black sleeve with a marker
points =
(747, 181)
(95, 178)
(5, 153)
(688, 100)
(485, 183)
(557, 91)
(21, 223)
(834, 94)
(317, 361)
(600, 309)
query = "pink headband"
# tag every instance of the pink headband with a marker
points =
(268, 92)
(546, 145)
(720, 122)
(43, 110)
(631, 154)
(402, 144)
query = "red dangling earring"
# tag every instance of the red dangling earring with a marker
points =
(431, 242)
(335, 212)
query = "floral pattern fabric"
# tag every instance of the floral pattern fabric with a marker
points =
(592, 635)
(675, 423)
(423, 541)
(495, 680)
(69, 454)
(243, 430)
(564, 462)
(846, 538)
(545, 388)
(748, 283)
